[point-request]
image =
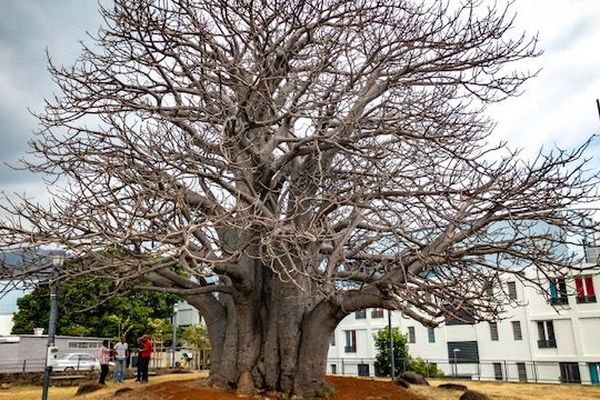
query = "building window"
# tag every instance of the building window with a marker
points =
(361, 314)
(350, 342)
(522, 371)
(463, 352)
(431, 334)
(494, 331)
(585, 289)
(333, 369)
(377, 313)
(546, 338)
(558, 291)
(363, 369)
(569, 372)
(512, 290)
(498, 371)
(461, 317)
(516, 327)
(594, 368)
(84, 345)
(332, 339)
(411, 335)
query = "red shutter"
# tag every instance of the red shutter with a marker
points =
(579, 287)
(353, 333)
(589, 286)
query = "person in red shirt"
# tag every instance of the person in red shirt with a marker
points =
(144, 355)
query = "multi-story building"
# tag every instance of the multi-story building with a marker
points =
(546, 338)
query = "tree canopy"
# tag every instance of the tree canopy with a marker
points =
(301, 160)
(83, 311)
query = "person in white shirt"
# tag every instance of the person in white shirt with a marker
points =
(120, 350)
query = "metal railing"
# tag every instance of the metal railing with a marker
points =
(25, 365)
(486, 370)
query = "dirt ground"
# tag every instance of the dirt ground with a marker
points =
(345, 388)
(191, 386)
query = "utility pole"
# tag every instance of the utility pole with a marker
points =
(175, 310)
(391, 344)
(57, 259)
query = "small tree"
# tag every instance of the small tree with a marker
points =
(383, 365)
(197, 337)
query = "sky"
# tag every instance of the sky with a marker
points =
(556, 109)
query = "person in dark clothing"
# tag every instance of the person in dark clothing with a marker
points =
(104, 356)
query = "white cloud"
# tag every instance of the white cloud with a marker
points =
(558, 107)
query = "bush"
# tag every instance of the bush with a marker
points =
(424, 368)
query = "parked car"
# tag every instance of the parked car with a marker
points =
(77, 362)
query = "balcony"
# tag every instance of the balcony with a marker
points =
(586, 299)
(555, 301)
(547, 343)
(350, 349)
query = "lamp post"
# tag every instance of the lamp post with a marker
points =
(175, 310)
(391, 344)
(57, 258)
(455, 362)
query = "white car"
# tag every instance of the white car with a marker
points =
(77, 362)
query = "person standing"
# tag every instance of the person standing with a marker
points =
(144, 356)
(104, 356)
(120, 355)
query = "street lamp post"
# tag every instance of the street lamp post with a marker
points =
(391, 344)
(455, 362)
(57, 259)
(175, 310)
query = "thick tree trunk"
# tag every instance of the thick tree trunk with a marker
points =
(273, 340)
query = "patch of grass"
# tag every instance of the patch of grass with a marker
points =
(66, 393)
(326, 392)
(511, 391)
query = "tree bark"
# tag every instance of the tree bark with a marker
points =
(275, 340)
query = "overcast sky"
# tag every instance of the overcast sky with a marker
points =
(557, 108)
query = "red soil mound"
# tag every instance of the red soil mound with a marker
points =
(346, 389)
(367, 389)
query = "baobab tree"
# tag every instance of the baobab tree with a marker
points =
(281, 164)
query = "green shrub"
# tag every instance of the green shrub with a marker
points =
(424, 368)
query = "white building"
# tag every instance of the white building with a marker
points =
(544, 340)
(6, 323)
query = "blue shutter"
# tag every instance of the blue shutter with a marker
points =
(553, 290)
(594, 378)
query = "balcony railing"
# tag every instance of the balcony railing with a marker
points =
(547, 344)
(559, 301)
(586, 299)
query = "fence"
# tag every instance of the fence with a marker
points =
(26, 365)
(160, 359)
(500, 370)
